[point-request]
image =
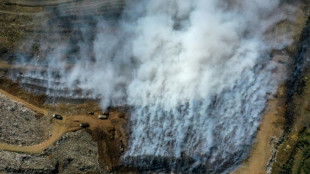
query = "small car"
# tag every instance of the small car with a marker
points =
(84, 125)
(103, 116)
(91, 113)
(59, 117)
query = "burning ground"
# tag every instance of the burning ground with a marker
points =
(159, 61)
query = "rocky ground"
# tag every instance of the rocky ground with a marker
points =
(21, 126)
(74, 153)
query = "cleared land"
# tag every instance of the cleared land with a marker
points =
(111, 129)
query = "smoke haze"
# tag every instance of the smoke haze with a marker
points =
(197, 74)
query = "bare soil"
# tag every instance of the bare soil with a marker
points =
(21, 127)
(270, 133)
(110, 133)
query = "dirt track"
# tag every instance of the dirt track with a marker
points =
(30, 106)
(60, 127)
(109, 129)
(270, 130)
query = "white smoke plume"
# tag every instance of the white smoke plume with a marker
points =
(197, 74)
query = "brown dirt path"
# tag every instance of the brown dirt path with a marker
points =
(23, 102)
(111, 126)
(68, 124)
(60, 127)
(270, 130)
(39, 148)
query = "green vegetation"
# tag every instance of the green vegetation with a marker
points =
(299, 156)
(303, 166)
(294, 153)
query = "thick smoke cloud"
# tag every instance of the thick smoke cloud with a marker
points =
(197, 74)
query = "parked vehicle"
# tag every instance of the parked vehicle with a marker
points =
(59, 117)
(84, 125)
(91, 113)
(104, 116)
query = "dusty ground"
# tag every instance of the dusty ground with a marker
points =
(107, 136)
(271, 130)
(269, 134)
(28, 127)
(74, 152)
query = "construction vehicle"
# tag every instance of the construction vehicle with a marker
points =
(59, 117)
(84, 125)
(104, 116)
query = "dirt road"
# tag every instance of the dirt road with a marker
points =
(60, 127)
(30, 106)
(111, 126)
(39, 148)
(270, 130)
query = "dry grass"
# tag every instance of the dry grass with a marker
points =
(13, 24)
